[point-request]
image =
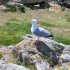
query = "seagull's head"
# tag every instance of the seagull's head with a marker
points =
(34, 21)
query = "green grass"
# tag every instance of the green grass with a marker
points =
(18, 24)
(47, 24)
(62, 39)
(12, 32)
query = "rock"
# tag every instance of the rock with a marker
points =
(22, 68)
(36, 58)
(16, 5)
(3, 49)
(57, 47)
(54, 7)
(27, 36)
(15, 52)
(30, 51)
(42, 47)
(64, 66)
(2, 65)
(11, 66)
(45, 40)
(23, 57)
(65, 56)
(23, 43)
(66, 50)
(64, 3)
(28, 55)
(54, 59)
(43, 65)
(45, 46)
(63, 45)
(2, 7)
(11, 47)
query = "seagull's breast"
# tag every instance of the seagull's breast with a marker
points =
(33, 28)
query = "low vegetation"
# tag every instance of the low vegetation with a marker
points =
(1, 54)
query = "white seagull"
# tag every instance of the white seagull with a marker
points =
(39, 31)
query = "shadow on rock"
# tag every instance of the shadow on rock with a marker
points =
(44, 49)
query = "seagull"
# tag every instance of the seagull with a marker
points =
(39, 31)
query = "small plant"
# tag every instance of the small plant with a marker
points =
(11, 9)
(19, 63)
(1, 54)
(63, 8)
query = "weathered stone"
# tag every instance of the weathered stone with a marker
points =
(11, 47)
(64, 66)
(65, 56)
(46, 46)
(27, 54)
(2, 7)
(43, 65)
(11, 66)
(54, 8)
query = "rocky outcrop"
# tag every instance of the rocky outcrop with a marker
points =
(43, 53)
(34, 51)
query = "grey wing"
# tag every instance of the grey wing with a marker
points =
(43, 32)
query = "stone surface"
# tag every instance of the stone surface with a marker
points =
(43, 65)
(65, 66)
(65, 56)
(11, 47)
(33, 51)
(54, 8)
(11, 66)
